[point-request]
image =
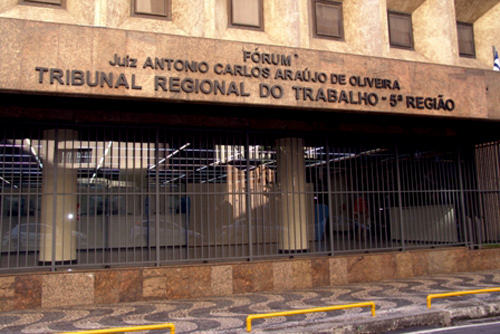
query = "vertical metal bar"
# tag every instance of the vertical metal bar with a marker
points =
(54, 203)
(157, 196)
(329, 189)
(467, 240)
(248, 196)
(400, 202)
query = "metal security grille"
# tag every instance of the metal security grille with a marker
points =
(102, 196)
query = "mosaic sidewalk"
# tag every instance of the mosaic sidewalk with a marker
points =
(228, 314)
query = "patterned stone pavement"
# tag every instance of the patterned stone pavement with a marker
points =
(228, 314)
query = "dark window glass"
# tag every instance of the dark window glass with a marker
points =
(400, 30)
(465, 40)
(246, 13)
(328, 19)
(152, 7)
(50, 2)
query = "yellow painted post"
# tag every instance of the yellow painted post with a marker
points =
(171, 326)
(309, 310)
(459, 293)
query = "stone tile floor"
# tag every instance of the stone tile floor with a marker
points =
(228, 314)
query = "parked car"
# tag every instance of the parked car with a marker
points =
(27, 236)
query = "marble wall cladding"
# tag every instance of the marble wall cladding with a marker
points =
(222, 280)
(117, 286)
(338, 270)
(30, 291)
(368, 268)
(290, 23)
(68, 289)
(427, 37)
(253, 277)
(320, 272)
(154, 284)
(292, 275)
(7, 293)
(174, 283)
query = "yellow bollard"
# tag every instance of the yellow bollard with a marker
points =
(458, 293)
(309, 310)
(171, 326)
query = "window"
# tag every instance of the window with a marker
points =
(328, 20)
(157, 8)
(246, 13)
(45, 2)
(400, 30)
(465, 40)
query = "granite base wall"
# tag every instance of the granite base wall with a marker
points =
(106, 286)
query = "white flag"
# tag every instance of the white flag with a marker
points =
(496, 61)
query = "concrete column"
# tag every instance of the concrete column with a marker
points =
(292, 185)
(59, 199)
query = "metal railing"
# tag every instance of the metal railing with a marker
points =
(252, 317)
(127, 329)
(458, 293)
(102, 196)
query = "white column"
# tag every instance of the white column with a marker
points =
(59, 199)
(292, 185)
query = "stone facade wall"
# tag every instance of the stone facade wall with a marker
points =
(87, 287)
(290, 23)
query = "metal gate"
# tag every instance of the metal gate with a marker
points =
(102, 196)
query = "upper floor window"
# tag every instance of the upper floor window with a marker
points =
(466, 46)
(400, 30)
(246, 13)
(45, 2)
(328, 21)
(158, 8)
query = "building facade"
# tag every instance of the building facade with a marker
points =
(149, 144)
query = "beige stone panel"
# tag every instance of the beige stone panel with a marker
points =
(292, 275)
(435, 32)
(67, 289)
(473, 62)
(82, 10)
(189, 16)
(338, 271)
(283, 24)
(403, 6)
(12, 41)
(493, 94)
(154, 287)
(486, 34)
(364, 26)
(470, 10)
(462, 259)
(471, 92)
(222, 280)
(105, 44)
(140, 46)
(39, 49)
(115, 13)
(443, 261)
(75, 52)
(211, 15)
(7, 5)
(79, 12)
(370, 268)
(7, 288)
(154, 283)
(404, 265)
